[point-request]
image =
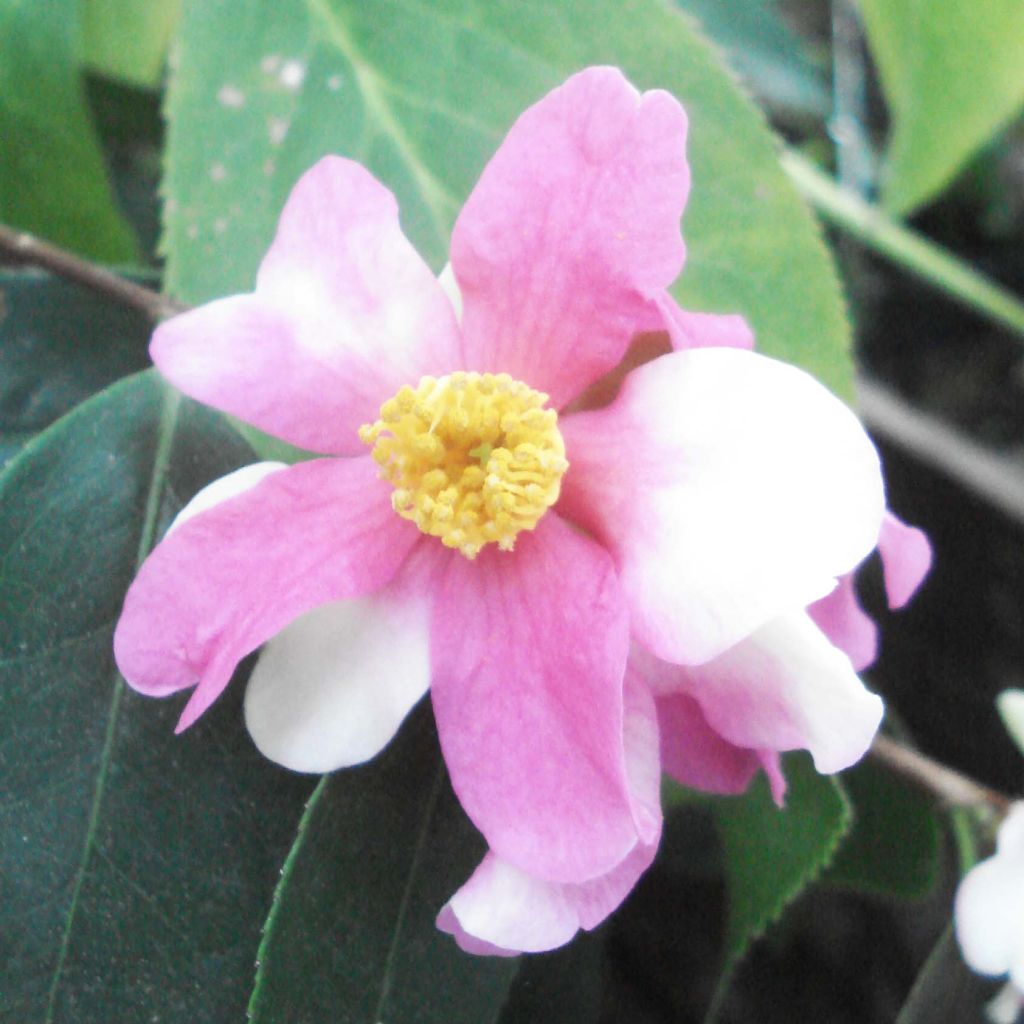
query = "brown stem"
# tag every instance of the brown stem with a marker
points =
(947, 784)
(23, 247)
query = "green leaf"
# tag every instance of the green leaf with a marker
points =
(137, 865)
(59, 344)
(52, 178)
(128, 39)
(566, 984)
(423, 95)
(351, 936)
(772, 855)
(946, 991)
(893, 848)
(953, 76)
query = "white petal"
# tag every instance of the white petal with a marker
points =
(332, 688)
(730, 488)
(989, 916)
(785, 688)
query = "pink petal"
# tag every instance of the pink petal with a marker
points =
(236, 574)
(729, 487)
(572, 228)
(840, 617)
(344, 313)
(691, 751)
(696, 330)
(906, 559)
(529, 651)
(785, 688)
(697, 756)
(503, 910)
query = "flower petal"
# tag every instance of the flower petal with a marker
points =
(529, 651)
(785, 688)
(572, 228)
(906, 559)
(989, 908)
(502, 910)
(697, 330)
(344, 313)
(238, 482)
(331, 689)
(729, 487)
(236, 574)
(840, 617)
(697, 756)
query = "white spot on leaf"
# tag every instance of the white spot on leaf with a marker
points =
(292, 74)
(277, 129)
(231, 96)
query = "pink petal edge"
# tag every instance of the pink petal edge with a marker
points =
(529, 702)
(236, 574)
(571, 230)
(906, 559)
(502, 910)
(344, 313)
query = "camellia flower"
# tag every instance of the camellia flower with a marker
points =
(572, 570)
(989, 909)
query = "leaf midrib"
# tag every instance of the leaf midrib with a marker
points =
(157, 483)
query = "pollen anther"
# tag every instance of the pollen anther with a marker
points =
(475, 458)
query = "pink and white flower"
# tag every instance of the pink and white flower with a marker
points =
(567, 587)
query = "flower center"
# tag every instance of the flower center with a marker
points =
(474, 457)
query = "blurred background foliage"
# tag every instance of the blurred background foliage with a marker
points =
(162, 138)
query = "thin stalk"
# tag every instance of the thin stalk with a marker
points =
(904, 246)
(949, 785)
(22, 247)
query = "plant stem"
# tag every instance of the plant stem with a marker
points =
(23, 247)
(904, 246)
(946, 783)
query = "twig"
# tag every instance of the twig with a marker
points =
(996, 478)
(26, 248)
(905, 247)
(946, 783)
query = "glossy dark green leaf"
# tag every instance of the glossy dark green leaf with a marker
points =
(893, 847)
(52, 178)
(135, 866)
(772, 855)
(59, 344)
(566, 984)
(423, 94)
(351, 937)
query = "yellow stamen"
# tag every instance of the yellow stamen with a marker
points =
(474, 457)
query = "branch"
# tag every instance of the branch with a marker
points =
(905, 247)
(22, 247)
(952, 788)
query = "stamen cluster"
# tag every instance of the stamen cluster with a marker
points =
(474, 458)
